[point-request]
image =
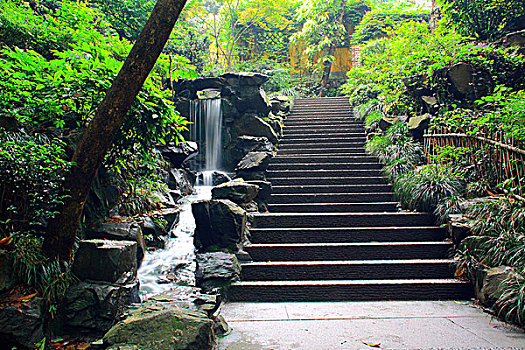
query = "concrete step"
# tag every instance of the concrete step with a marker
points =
(333, 207)
(355, 136)
(296, 220)
(301, 181)
(323, 159)
(347, 234)
(294, 198)
(325, 130)
(322, 173)
(296, 149)
(321, 127)
(325, 166)
(347, 270)
(284, 189)
(312, 122)
(324, 141)
(304, 119)
(354, 290)
(348, 251)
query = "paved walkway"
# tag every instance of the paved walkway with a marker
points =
(361, 325)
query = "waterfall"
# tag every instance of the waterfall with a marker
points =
(206, 130)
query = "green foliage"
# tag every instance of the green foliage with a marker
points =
(498, 239)
(127, 17)
(31, 173)
(484, 19)
(396, 150)
(427, 187)
(378, 22)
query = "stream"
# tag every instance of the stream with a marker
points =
(175, 264)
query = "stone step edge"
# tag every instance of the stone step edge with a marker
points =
(451, 281)
(351, 244)
(350, 262)
(381, 228)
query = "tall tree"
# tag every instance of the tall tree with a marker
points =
(322, 32)
(98, 137)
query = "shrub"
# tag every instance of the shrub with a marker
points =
(427, 187)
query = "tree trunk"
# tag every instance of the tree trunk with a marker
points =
(327, 65)
(98, 137)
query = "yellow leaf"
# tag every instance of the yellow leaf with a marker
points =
(6, 240)
(459, 272)
(373, 345)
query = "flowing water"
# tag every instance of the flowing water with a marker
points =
(206, 130)
(175, 264)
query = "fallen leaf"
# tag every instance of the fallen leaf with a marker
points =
(6, 240)
(459, 272)
(373, 345)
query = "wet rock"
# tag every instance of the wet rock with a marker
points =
(93, 308)
(252, 125)
(182, 180)
(172, 216)
(237, 191)
(162, 327)
(22, 325)
(221, 224)
(155, 230)
(217, 270)
(515, 39)
(122, 231)
(418, 124)
(177, 154)
(105, 260)
(217, 177)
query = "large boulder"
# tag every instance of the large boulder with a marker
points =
(264, 194)
(119, 231)
(220, 224)
(237, 191)
(217, 270)
(252, 125)
(176, 154)
(182, 180)
(155, 231)
(22, 323)
(213, 178)
(246, 144)
(106, 261)
(463, 82)
(253, 166)
(418, 124)
(93, 308)
(245, 79)
(162, 327)
(495, 280)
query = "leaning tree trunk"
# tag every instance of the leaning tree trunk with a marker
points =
(98, 137)
(327, 65)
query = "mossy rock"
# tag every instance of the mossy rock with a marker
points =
(158, 327)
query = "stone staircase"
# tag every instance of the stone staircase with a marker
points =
(333, 231)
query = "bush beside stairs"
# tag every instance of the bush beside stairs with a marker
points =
(333, 231)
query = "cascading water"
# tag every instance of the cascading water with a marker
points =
(206, 130)
(175, 265)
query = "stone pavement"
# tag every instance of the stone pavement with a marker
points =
(361, 325)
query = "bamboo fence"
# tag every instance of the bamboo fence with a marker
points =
(496, 157)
